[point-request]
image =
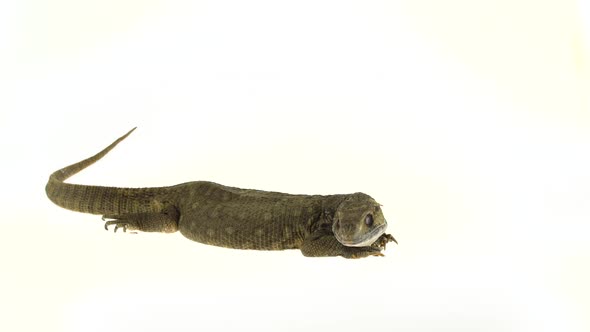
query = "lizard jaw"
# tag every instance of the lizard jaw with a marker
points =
(369, 239)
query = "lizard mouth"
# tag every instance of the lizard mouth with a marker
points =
(365, 240)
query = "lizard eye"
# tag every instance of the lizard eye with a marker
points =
(369, 220)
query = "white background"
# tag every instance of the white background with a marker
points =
(468, 120)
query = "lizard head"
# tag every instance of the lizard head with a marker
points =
(358, 221)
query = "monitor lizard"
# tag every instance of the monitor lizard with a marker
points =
(348, 225)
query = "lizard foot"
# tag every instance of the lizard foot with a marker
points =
(383, 240)
(363, 252)
(119, 224)
(165, 221)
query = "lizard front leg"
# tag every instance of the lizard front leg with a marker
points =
(165, 221)
(325, 244)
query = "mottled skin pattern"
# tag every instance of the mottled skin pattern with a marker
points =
(349, 225)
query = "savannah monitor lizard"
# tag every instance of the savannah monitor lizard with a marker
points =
(349, 225)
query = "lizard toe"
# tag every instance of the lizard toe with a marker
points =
(119, 224)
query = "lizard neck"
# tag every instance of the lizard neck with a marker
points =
(327, 209)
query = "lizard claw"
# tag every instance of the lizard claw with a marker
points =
(383, 240)
(118, 224)
(390, 238)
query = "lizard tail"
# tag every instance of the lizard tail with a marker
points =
(98, 199)
(68, 171)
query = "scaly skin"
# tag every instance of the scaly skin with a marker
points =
(349, 225)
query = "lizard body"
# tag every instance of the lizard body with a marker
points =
(350, 225)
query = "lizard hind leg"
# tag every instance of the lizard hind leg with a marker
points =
(165, 221)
